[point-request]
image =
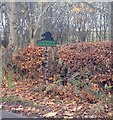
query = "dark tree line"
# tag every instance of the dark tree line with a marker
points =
(24, 22)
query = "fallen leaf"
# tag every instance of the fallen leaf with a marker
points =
(67, 113)
(50, 103)
(68, 117)
(110, 114)
(78, 108)
(50, 114)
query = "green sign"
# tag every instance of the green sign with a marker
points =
(46, 43)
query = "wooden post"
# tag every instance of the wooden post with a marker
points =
(46, 65)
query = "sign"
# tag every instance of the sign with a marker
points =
(46, 43)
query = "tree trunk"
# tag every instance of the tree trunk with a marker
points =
(11, 10)
(111, 20)
(39, 17)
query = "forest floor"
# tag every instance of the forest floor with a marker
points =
(26, 97)
(84, 96)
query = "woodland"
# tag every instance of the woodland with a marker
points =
(74, 78)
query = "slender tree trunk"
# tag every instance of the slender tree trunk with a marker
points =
(104, 28)
(39, 17)
(11, 10)
(111, 20)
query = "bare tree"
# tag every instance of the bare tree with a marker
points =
(11, 12)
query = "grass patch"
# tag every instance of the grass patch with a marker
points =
(10, 82)
(11, 98)
(17, 100)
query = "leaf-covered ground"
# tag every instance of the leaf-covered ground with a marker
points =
(30, 98)
(88, 93)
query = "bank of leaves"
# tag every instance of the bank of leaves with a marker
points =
(29, 62)
(89, 65)
(85, 60)
(89, 60)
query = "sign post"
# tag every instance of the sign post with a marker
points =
(46, 64)
(46, 44)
